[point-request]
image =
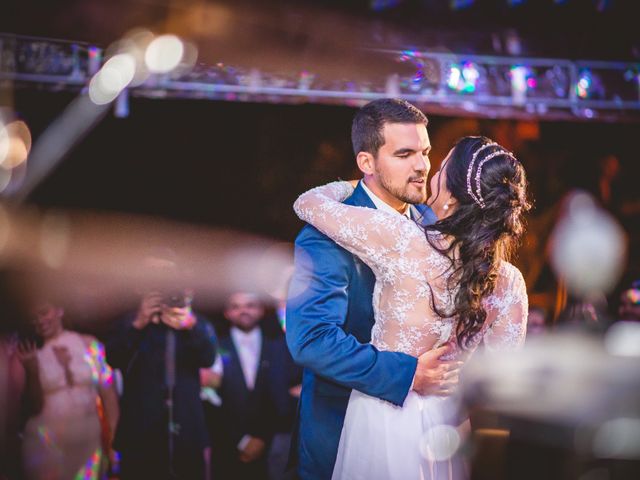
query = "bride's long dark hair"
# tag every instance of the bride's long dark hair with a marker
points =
(480, 236)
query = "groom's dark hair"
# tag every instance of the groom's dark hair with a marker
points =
(366, 130)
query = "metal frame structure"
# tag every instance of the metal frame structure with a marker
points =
(422, 77)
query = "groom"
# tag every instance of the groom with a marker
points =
(329, 310)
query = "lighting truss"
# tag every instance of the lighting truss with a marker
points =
(446, 83)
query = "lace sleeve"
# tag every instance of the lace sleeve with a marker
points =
(373, 235)
(507, 311)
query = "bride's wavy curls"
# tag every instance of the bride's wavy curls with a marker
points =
(482, 235)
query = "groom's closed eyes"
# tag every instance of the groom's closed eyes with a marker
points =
(407, 152)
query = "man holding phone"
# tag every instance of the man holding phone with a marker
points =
(159, 350)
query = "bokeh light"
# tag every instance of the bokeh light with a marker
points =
(588, 246)
(522, 79)
(15, 144)
(164, 54)
(440, 443)
(114, 76)
(623, 339)
(135, 43)
(463, 78)
(618, 438)
(95, 59)
(305, 80)
(4, 142)
(573, 372)
(189, 58)
(5, 178)
(584, 83)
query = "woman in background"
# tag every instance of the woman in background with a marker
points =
(65, 440)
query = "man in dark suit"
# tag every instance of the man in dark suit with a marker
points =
(258, 373)
(329, 310)
(159, 350)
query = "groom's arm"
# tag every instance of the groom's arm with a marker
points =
(317, 310)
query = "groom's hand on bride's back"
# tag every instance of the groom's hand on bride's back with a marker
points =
(435, 376)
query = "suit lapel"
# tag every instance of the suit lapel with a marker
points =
(237, 371)
(360, 198)
(263, 363)
(235, 367)
(423, 215)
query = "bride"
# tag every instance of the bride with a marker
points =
(446, 283)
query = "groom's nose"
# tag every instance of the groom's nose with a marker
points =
(421, 164)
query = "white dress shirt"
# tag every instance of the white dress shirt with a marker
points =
(248, 345)
(382, 205)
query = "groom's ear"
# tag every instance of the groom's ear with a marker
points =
(365, 162)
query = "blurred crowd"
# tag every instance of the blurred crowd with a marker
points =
(168, 393)
(165, 392)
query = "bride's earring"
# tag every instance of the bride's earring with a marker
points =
(445, 207)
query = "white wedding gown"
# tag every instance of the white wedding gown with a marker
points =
(380, 440)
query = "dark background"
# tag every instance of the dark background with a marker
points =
(578, 29)
(242, 165)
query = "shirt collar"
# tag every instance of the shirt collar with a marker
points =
(381, 204)
(253, 335)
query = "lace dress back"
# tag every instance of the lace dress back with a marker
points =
(410, 275)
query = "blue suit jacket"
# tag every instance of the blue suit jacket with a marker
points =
(329, 322)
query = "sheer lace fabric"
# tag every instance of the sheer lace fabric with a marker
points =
(409, 272)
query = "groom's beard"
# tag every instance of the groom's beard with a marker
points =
(409, 192)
